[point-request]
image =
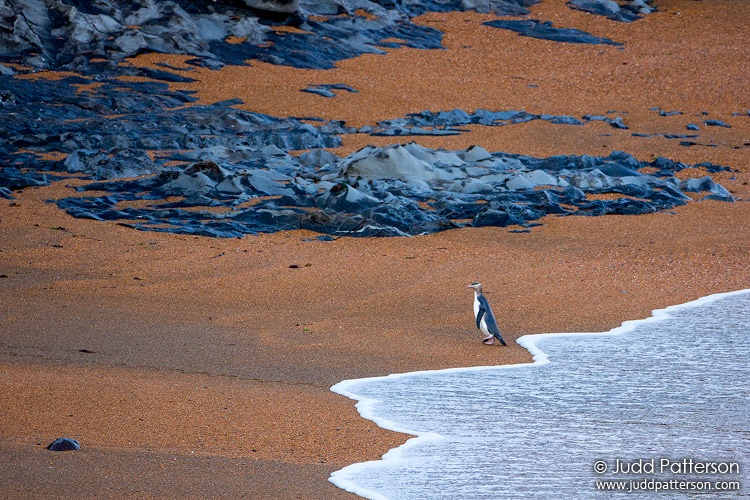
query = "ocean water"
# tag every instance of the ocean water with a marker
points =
(639, 403)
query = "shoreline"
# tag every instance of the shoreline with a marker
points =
(529, 342)
(172, 357)
(367, 405)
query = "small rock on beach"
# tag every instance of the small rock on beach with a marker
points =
(64, 444)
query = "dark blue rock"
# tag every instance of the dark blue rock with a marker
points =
(64, 444)
(666, 113)
(319, 91)
(326, 90)
(716, 123)
(391, 191)
(713, 168)
(545, 30)
(680, 136)
(627, 11)
(494, 217)
(445, 122)
(13, 178)
(241, 161)
(103, 33)
(706, 184)
(614, 122)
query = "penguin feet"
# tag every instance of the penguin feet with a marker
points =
(489, 340)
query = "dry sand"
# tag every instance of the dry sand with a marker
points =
(190, 366)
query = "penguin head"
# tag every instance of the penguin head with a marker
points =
(476, 286)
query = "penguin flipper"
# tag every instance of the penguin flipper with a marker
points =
(480, 313)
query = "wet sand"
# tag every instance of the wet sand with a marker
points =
(190, 366)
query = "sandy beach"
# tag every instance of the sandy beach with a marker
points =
(190, 366)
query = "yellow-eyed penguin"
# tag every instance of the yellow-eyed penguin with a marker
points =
(486, 322)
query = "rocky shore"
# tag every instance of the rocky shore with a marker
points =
(583, 183)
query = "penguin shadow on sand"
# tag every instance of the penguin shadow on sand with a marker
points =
(486, 322)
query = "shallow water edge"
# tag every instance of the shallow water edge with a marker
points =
(367, 406)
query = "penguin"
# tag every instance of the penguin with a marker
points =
(486, 322)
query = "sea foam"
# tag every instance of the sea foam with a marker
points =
(672, 386)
